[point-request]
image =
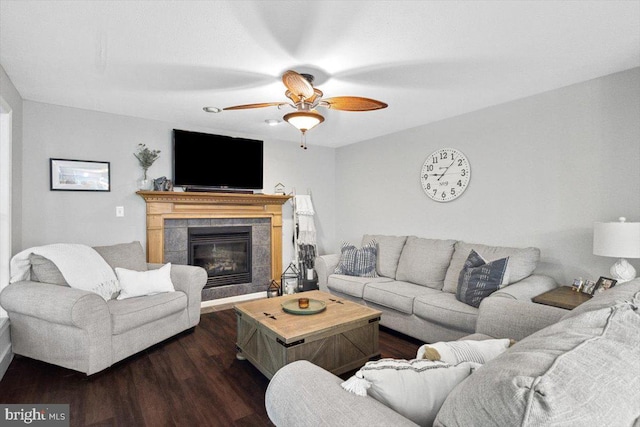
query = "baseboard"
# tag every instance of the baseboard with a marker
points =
(6, 355)
(232, 300)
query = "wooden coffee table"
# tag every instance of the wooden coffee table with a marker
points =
(341, 338)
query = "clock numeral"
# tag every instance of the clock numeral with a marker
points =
(434, 160)
(429, 168)
(463, 172)
(443, 156)
(453, 191)
(459, 162)
(425, 176)
(459, 183)
(435, 191)
(444, 195)
(428, 186)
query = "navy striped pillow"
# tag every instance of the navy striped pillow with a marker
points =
(479, 279)
(358, 262)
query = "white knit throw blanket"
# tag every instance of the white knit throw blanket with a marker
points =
(82, 267)
(304, 205)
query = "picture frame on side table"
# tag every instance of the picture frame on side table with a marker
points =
(79, 175)
(577, 285)
(588, 287)
(604, 283)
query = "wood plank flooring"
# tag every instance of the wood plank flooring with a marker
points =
(193, 379)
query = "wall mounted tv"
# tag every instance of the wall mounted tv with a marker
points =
(203, 161)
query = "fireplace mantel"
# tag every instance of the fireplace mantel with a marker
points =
(163, 205)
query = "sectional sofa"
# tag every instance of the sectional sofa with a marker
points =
(580, 370)
(417, 282)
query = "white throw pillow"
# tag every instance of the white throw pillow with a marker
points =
(415, 388)
(139, 283)
(455, 352)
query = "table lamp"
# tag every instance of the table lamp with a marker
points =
(618, 240)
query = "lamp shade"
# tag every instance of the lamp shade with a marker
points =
(617, 239)
(304, 120)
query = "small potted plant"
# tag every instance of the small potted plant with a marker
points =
(146, 158)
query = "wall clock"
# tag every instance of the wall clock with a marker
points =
(445, 174)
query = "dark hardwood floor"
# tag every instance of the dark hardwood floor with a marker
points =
(193, 379)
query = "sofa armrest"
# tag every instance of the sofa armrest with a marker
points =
(302, 394)
(56, 304)
(190, 280)
(510, 318)
(325, 265)
(527, 288)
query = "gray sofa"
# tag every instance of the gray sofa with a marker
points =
(580, 370)
(418, 278)
(79, 330)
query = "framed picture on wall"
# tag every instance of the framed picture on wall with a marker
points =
(79, 175)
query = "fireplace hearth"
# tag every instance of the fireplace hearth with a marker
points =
(224, 253)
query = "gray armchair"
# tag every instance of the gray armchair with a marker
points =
(79, 330)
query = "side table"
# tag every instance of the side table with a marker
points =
(562, 297)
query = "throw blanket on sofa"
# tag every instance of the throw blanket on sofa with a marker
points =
(82, 267)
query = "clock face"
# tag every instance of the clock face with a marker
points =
(445, 174)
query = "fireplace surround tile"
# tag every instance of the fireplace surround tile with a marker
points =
(175, 239)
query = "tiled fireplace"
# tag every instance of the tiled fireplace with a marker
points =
(178, 249)
(172, 217)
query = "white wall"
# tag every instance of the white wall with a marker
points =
(12, 97)
(89, 218)
(544, 168)
(10, 197)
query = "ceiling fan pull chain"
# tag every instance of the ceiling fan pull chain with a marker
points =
(303, 140)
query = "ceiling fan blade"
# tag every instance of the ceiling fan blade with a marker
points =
(261, 105)
(353, 103)
(317, 94)
(297, 84)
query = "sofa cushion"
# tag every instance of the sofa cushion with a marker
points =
(140, 283)
(580, 371)
(396, 295)
(44, 270)
(358, 262)
(124, 255)
(425, 261)
(479, 279)
(352, 285)
(389, 250)
(521, 263)
(444, 309)
(131, 313)
(415, 389)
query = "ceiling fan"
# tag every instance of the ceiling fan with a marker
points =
(305, 98)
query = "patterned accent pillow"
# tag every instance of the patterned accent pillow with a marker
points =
(479, 279)
(358, 262)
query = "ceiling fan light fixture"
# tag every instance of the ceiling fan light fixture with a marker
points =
(304, 120)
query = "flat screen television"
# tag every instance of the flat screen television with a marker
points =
(203, 161)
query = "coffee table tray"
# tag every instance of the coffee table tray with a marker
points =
(315, 306)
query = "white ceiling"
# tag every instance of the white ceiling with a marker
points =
(428, 60)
